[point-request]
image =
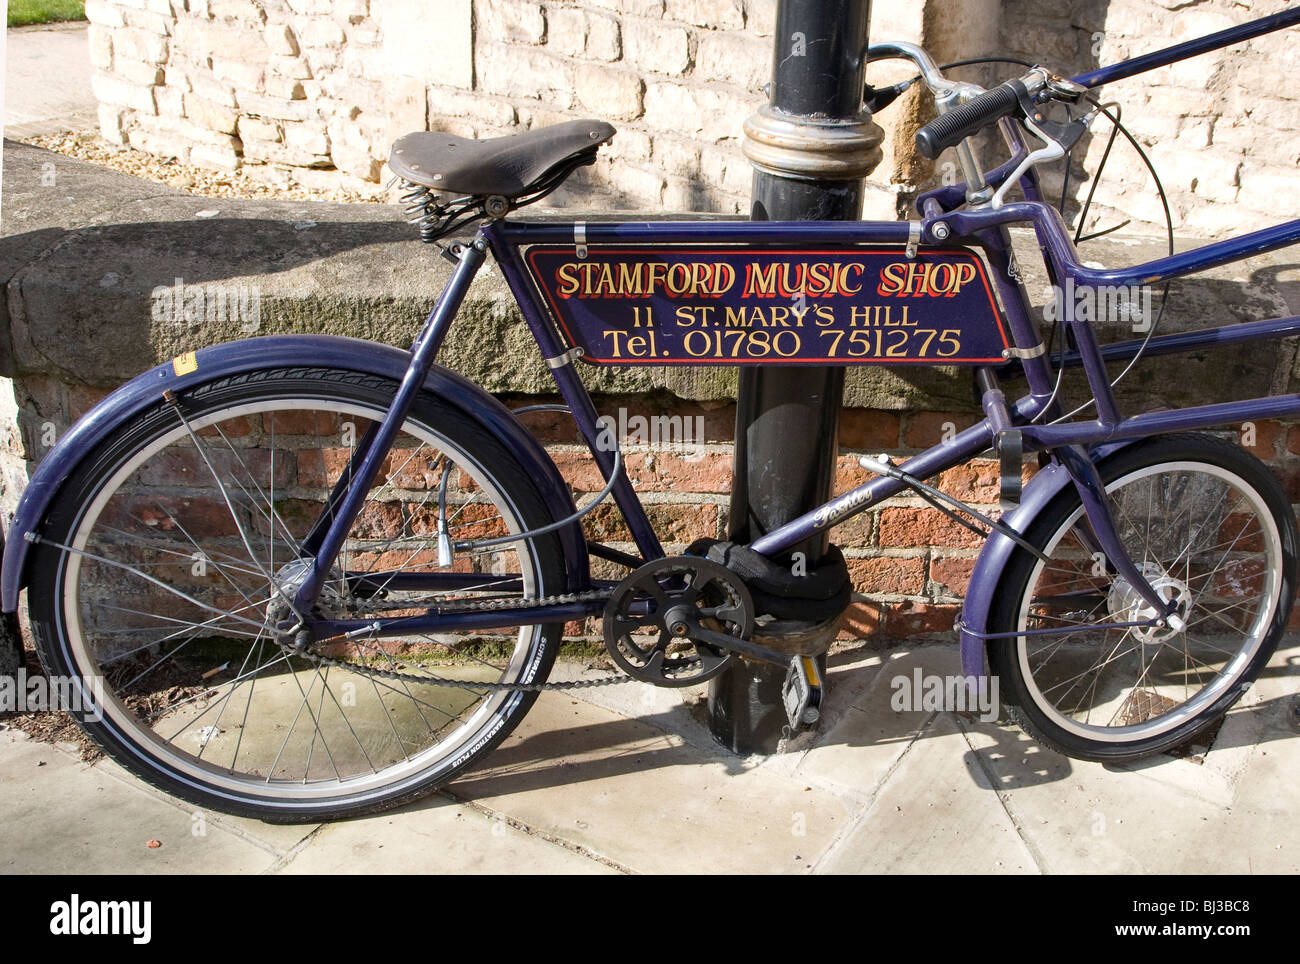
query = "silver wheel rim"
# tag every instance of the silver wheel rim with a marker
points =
(1152, 694)
(475, 729)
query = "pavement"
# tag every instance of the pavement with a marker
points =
(627, 779)
(47, 80)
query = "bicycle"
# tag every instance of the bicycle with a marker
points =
(306, 577)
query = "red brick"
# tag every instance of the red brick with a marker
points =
(848, 475)
(952, 573)
(547, 427)
(296, 515)
(1268, 435)
(863, 618)
(666, 471)
(1293, 621)
(314, 424)
(1240, 532)
(202, 517)
(368, 649)
(924, 429)
(176, 467)
(589, 627)
(887, 574)
(871, 429)
(416, 468)
(318, 468)
(378, 520)
(975, 482)
(580, 470)
(1291, 483)
(917, 528)
(672, 523)
(914, 618)
(719, 419)
(82, 398)
(476, 520)
(404, 558)
(240, 427)
(856, 532)
(1240, 579)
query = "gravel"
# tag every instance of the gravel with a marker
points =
(89, 146)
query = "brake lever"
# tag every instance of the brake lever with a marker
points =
(1056, 138)
(1064, 134)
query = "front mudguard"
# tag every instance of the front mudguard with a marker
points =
(993, 559)
(260, 354)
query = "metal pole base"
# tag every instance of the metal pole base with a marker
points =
(746, 714)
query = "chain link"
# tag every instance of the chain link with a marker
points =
(472, 605)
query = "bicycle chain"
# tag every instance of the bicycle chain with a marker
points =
(470, 605)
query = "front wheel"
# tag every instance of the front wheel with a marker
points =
(162, 572)
(1208, 526)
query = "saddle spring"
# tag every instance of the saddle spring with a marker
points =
(436, 214)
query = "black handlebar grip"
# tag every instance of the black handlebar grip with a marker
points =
(963, 121)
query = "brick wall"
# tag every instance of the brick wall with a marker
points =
(910, 564)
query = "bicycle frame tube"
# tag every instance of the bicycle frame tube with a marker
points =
(1169, 55)
(363, 476)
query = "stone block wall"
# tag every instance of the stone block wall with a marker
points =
(315, 91)
(1222, 129)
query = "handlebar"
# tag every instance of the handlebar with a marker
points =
(962, 121)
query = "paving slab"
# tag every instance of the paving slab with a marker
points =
(635, 785)
(63, 817)
(645, 799)
(1091, 818)
(865, 736)
(278, 839)
(933, 816)
(47, 80)
(436, 836)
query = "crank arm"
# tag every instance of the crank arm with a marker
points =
(801, 693)
(694, 631)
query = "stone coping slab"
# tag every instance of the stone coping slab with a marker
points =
(85, 253)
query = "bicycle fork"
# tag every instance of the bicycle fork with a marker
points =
(1092, 492)
(1104, 537)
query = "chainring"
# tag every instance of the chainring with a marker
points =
(637, 634)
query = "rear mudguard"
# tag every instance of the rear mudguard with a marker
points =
(259, 354)
(1046, 484)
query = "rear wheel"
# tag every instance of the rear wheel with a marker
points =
(172, 547)
(1208, 526)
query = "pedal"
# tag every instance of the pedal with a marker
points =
(802, 692)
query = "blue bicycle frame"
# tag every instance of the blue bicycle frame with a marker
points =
(941, 222)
